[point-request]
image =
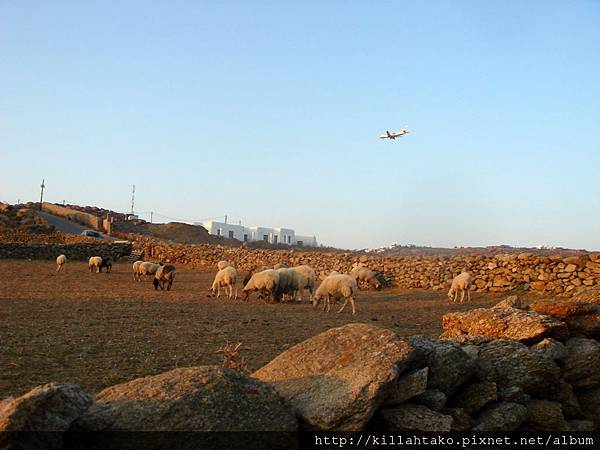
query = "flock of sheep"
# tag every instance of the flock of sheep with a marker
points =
(278, 283)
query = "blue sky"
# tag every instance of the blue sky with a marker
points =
(270, 111)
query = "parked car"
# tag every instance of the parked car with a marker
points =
(93, 233)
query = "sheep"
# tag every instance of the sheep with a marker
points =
(222, 264)
(61, 260)
(461, 283)
(334, 287)
(136, 268)
(279, 266)
(165, 274)
(94, 263)
(365, 275)
(252, 272)
(106, 263)
(226, 277)
(290, 281)
(311, 277)
(147, 268)
(265, 281)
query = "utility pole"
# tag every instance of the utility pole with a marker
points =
(151, 214)
(225, 218)
(132, 198)
(42, 194)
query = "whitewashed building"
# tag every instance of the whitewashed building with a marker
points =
(252, 234)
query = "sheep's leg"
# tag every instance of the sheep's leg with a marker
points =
(455, 297)
(344, 305)
(469, 295)
(236, 293)
(462, 296)
(352, 304)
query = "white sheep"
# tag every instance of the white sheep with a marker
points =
(253, 271)
(311, 278)
(334, 287)
(61, 260)
(461, 283)
(94, 263)
(226, 277)
(365, 275)
(265, 281)
(147, 268)
(279, 266)
(136, 268)
(222, 264)
(165, 274)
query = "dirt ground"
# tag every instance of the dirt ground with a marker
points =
(97, 330)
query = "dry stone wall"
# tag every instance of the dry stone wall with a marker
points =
(77, 251)
(554, 275)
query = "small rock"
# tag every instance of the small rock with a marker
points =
(432, 398)
(410, 417)
(408, 386)
(475, 396)
(582, 365)
(501, 417)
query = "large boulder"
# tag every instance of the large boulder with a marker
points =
(337, 379)
(476, 396)
(203, 398)
(503, 323)
(449, 366)
(563, 309)
(409, 385)
(411, 417)
(51, 407)
(501, 417)
(582, 364)
(512, 364)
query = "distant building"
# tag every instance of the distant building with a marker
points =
(253, 234)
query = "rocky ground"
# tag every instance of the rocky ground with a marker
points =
(518, 370)
(100, 329)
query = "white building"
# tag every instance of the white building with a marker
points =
(251, 234)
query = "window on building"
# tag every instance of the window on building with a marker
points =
(230, 234)
(266, 237)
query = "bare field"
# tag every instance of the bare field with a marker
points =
(97, 330)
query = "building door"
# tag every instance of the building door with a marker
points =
(275, 239)
(230, 235)
(266, 237)
(245, 238)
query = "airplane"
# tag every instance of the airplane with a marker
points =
(393, 134)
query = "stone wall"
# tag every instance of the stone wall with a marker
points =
(76, 251)
(81, 217)
(554, 275)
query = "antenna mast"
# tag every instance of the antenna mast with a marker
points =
(132, 198)
(42, 194)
